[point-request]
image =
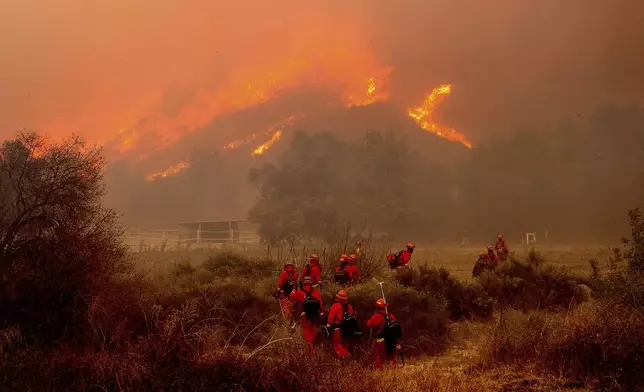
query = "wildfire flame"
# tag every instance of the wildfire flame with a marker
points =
(261, 149)
(373, 92)
(172, 170)
(276, 130)
(235, 144)
(423, 116)
(347, 69)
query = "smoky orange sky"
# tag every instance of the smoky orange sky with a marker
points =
(93, 68)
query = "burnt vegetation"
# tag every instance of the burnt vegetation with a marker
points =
(77, 315)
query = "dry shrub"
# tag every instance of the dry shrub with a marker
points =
(601, 344)
(621, 287)
(226, 264)
(517, 337)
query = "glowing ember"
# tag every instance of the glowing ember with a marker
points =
(423, 116)
(263, 147)
(172, 170)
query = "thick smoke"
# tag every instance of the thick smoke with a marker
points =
(94, 69)
(71, 66)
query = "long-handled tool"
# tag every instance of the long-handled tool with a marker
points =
(400, 353)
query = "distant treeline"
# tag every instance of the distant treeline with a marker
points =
(575, 180)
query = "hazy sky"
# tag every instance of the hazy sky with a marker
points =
(94, 67)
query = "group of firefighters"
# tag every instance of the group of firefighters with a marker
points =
(490, 260)
(340, 322)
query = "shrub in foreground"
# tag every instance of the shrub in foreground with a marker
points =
(601, 344)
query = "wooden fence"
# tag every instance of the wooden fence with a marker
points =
(166, 239)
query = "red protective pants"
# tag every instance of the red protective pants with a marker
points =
(287, 307)
(339, 345)
(309, 331)
(381, 356)
(379, 353)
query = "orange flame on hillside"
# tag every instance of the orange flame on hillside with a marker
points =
(172, 170)
(423, 116)
(345, 69)
(261, 149)
(237, 143)
(276, 130)
(373, 92)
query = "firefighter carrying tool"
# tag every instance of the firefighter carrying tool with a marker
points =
(388, 333)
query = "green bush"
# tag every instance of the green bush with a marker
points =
(531, 285)
(463, 300)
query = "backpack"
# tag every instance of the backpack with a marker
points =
(288, 285)
(307, 272)
(349, 327)
(391, 332)
(342, 275)
(311, 308)
(393, 259)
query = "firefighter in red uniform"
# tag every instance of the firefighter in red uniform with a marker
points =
(312, 309)
(492, 259)
(377, 323)
(501, 247)
(405, 255)
(343, 272)
(336, 318)
(354, 271)
(286, 282)
(313, 270)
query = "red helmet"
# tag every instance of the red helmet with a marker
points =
(314, 256)
(344, 257)
(353, 258)
(410, 245)
(380, 303)
(342, 295)
(307, 281)
(289, 266)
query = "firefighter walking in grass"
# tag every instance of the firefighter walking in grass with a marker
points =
(343, 273)
(312, 310)
(342, 324)
(286, 282)
(313, 270)
(401, 259)
(354, 271)
(388, 335)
